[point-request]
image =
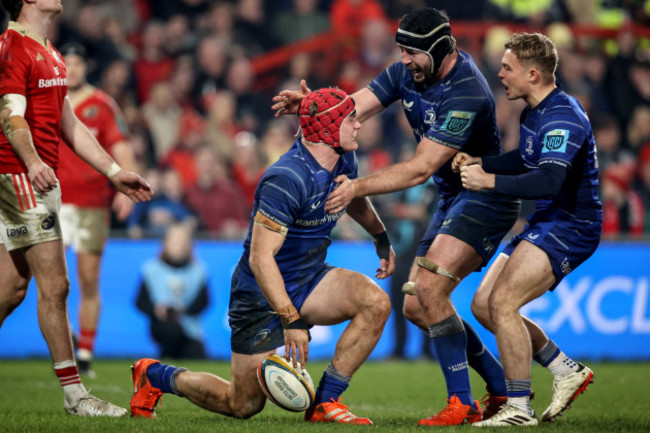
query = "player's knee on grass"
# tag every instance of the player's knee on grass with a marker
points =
(249, 406)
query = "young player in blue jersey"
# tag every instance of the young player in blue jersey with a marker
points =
(450, 107)
(555, 164)
(282, 285)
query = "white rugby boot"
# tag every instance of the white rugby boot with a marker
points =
(566, 389)
(89, 405)
(508, 416)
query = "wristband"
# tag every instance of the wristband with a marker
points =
(382, 245)
(298, 324)
(113, 169)
(288, 315)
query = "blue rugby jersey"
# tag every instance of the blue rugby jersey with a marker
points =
(558, 131)
(457, 112)
(292, 192)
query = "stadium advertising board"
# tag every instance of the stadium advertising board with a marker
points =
(600, 311)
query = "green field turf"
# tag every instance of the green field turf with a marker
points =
(395, 395)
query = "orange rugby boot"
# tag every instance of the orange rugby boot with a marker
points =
(145, 396)
(334, 411)
(455, 413)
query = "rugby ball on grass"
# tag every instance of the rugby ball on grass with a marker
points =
(290, 388)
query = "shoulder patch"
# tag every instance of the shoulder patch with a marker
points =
(457, 122)
(555, 141)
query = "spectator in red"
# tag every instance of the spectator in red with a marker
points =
(217, 200)
(642, 184)
(153, 64)
(248, 165)
(347, 18)
(182, 156)
(623, 211)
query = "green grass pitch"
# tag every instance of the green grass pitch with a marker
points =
(395, 395)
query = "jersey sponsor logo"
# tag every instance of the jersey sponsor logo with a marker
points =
(555, 141)
(56, 70)
(430, 116)
(48, 222)
(407, 105)
(458, 122)
(316, 222)
(16, 232)
(52, 82)
(529, 145)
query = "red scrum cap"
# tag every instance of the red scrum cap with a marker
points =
(321, 114)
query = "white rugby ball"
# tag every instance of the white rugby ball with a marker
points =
(291, 389)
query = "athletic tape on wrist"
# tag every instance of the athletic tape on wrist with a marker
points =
(113, 169)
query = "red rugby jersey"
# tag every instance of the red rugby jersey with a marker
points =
(81, 184)
(36, 71)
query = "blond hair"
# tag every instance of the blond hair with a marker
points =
(534, 49)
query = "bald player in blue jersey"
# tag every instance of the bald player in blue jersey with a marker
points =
(555, 164)
(450, 107)
(282, 285)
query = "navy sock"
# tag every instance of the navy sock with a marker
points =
(484, 363)
(162, 376)
(450, 343)
(331, 385)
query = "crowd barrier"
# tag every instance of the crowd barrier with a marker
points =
(601, 311)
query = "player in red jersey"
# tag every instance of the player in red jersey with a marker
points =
(35, 115)
(87, 196)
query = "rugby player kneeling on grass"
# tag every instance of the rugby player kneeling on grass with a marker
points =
(282, 285)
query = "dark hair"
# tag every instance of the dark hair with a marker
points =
(73, 49)
(13, 7)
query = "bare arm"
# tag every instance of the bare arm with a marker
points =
(17, 131)
(82, 142)
(366, 104)
(288, 102)
(85, 145)
(266, 241)
(123, 155)
(363, 212)
(428, 159)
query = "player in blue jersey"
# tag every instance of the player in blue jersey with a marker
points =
(282, 285)
(450, 107)
(555, 164)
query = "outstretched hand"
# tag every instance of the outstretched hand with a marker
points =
(132, 185)
(288, 101)
(341, 196)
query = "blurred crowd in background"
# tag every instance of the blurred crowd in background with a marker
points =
(194, 79)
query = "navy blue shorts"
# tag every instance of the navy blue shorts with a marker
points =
(566, 240)
(480, 219)
(254, 326)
